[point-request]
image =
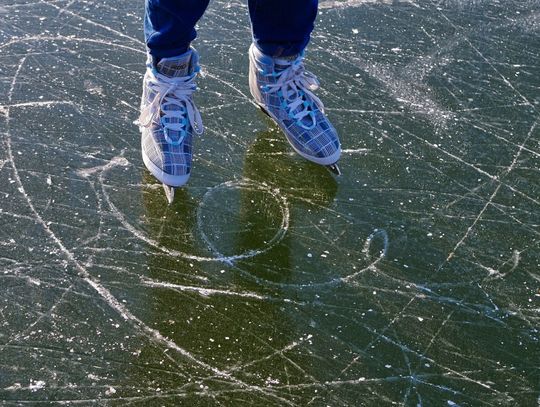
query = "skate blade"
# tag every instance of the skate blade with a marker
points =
(169, 193)
(264, 111)
(334, 168)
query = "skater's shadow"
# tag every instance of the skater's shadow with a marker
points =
(237, 218)
(228, 221)
(272, 160)
(171, 226)
(306, 187)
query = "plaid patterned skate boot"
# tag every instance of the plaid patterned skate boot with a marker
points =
(169, 119)
(284, 90)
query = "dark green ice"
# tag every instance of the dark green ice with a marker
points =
(413, 279)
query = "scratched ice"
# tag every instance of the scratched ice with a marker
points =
(413, 279)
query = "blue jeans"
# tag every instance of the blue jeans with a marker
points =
(280, 27)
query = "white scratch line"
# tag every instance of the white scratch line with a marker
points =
(331, 4)
(337, 280)
(38, 104)
(505, 173)
(64, 38)
(203, 291)
(471, 227)
(114, 162)
(494, 274)
(253, 185)
(107, 28)
(365, 250)
(356, 150)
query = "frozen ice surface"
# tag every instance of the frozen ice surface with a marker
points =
(412, 279)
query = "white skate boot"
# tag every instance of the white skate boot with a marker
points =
(284, 90)
(169, 119)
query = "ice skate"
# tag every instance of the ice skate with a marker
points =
(334, 168)
(284, 91)
(169, 119)
(169, 193)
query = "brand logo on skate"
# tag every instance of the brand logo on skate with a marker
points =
(178, 67)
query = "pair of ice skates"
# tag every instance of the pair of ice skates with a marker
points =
(282, 88)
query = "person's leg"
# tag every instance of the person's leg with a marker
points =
(282, 28)
(169, 26)
(279, 82)
(169, 119)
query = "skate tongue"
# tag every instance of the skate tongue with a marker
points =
(174, 67)
(282, 63)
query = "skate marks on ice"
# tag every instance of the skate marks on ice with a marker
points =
(331, 4)
(413, 280)
(90, 174)
(153, 334)
(143, 329)
(230, 260)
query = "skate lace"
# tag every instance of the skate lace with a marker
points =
(295, 86)
(171, 104)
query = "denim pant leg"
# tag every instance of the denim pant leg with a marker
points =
(169, 25)
(282, 27)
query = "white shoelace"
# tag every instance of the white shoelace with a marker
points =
(175, 93)
(297, 86)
